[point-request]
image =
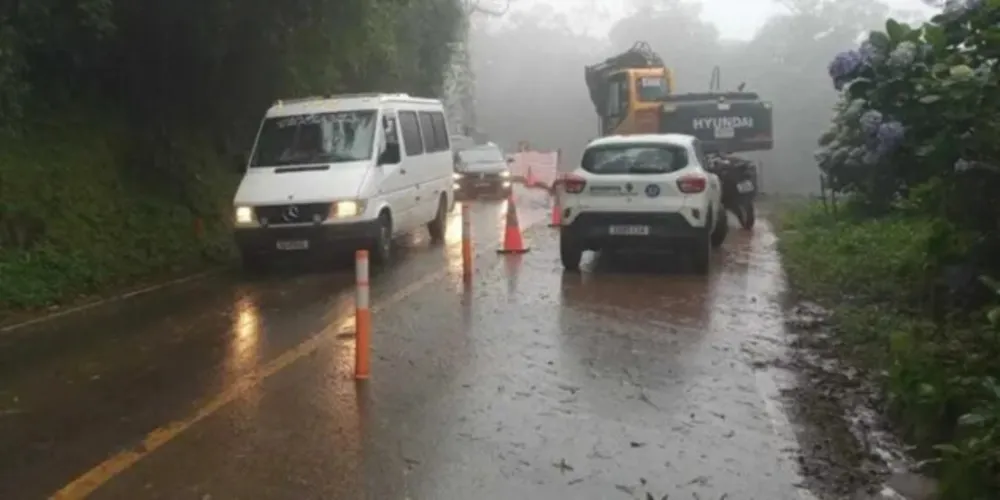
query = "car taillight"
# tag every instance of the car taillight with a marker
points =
(573, 184)
(691, 184)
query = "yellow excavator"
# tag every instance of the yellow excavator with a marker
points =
(633, 93)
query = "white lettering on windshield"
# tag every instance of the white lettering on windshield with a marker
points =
(314, 119)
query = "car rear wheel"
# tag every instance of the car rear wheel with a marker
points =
(747, 216)
(570, 252)
(721, 230)
(701, 253)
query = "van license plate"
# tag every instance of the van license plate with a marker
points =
(745, 187)
(629, 230)
(293, 245)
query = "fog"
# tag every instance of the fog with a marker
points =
(529, 65)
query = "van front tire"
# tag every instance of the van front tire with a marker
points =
(439, 225)
(381, 247)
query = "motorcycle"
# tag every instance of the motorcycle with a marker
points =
(739, 186)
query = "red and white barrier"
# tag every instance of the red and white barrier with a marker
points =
(536, 167)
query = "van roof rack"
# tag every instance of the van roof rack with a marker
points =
(295, 100)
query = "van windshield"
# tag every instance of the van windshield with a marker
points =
(315, 138)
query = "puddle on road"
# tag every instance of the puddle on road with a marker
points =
(822, 409)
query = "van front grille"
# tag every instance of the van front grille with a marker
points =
(292, 214)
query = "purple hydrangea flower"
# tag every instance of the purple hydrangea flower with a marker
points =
(870, 54)
(890, 137)
(844, 68)
(903, 56)
(871, 158)
(870, 122)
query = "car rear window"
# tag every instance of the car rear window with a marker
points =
(635, 159)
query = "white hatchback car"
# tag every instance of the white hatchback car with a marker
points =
(642, 191)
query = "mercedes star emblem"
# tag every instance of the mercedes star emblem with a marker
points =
(291, 214)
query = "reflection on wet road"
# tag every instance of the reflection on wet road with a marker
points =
(632, 377)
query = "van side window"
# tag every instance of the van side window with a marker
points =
(427, 130)
(441, 141)
(411, 133)
(392, 154)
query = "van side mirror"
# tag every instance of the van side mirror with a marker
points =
(389, 156)
(510, 160)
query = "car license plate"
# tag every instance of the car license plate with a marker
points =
(629, 230)
(293, 245)
(483, 183)
(725, 133)
(745, 187)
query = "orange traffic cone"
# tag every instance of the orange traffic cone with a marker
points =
(556, 213)
(513, 243)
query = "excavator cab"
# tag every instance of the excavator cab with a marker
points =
(627, 90)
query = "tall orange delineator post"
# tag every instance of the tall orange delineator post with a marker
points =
(362, 318)
(466, 244)
(556, 219)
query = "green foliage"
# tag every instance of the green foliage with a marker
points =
(120, 119)
(878, 275)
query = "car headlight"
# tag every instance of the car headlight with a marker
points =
(346, 209)
(244, 215)
(456, 176)
(505, 174)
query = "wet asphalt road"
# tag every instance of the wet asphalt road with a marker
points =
(632, 377)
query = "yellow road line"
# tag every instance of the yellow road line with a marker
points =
(90, 481)
(86, 484)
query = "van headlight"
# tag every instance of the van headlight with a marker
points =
(456, 176)
(244, 215)
(343, 209)
(505, 174)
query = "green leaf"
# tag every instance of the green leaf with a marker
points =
(947, 449)
(859, 88)
(934, 35)
(994, 316)
(972, 419)
(925, 150)
(895, 30)
(930, 99)
(880, 40)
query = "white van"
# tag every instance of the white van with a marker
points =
(349, 171)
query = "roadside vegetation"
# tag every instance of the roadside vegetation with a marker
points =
(121, 122)
(905, 249)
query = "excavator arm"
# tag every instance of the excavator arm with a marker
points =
(641, 55)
